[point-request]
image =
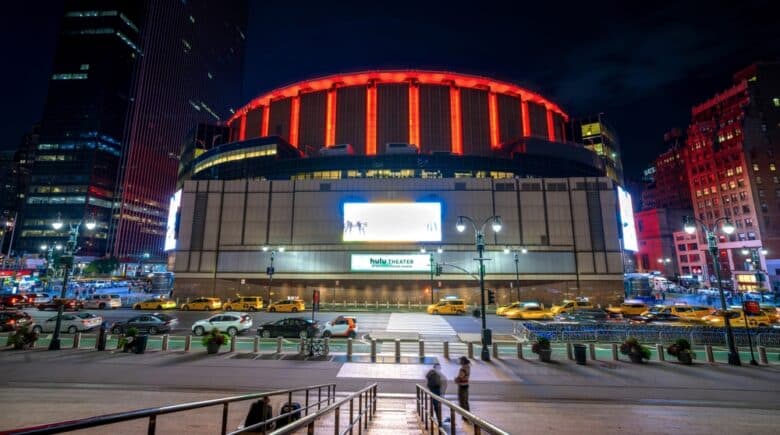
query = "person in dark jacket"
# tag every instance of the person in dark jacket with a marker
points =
(463, 384)
(435, 380)
(259, 412)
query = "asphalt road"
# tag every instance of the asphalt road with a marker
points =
(424, 324)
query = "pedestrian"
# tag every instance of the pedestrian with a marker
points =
(434, 382)
(463, 384)
(260, 411)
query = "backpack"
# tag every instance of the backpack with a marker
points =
(289, 407)
(433, 379)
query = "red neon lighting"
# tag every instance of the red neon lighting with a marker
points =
(526, 118)
(456, 121)
(330, 118)
(493, 114)
(550, 127)
(371, 120)
(242, 128)
(414, 114)
(266, 120)
(295, 113)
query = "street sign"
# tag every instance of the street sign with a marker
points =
(751, 307)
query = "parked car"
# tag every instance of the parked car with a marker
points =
(290, 327)
(38, 298)
(594, 315)
(232, 322)
(202, 304)
(14, 301)
(102, 302)
(447, 306)
(152, 323)
(287, 306)
(341, 326)
(12, 320)
(71, 323)
(529, 311)
(244, 303)
(155, 304)
(571, 305)
(69, 305)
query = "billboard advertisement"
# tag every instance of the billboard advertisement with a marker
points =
(390, 263)
(173, 213)
(627, 220)
(392, 222)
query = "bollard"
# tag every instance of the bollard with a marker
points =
(164, 345)
(278, 344)
(520, 351)
(708, 353)
(349, 349)
(615, 352)
(592, 351)
(327, 347)
(495, 350)
(187, 343)
(569, 353)
(233, 341)
(470, 347)
(256, 346)
(373, 349)
(446, 350)
(397, 349)
(76, 340)
(659, 348)
(762, 355)
(302, 347)
(422, 349)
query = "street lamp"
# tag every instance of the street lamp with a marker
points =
(67, 262)
(689, 224)
(479, 235)
(517, 267)
(270, 270)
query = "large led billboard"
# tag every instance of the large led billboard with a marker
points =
(173, 213)
(392, 222)
(627, 220)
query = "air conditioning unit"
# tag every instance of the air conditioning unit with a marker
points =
(401, 148)
(338, 150)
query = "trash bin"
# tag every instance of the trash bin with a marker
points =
(476, 313)
(140, 344)
(579, 354)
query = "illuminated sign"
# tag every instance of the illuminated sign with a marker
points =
(392, 222)
(390, 263)
(173, 213)
(627, 220)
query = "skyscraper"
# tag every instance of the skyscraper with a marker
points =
(130, 79)
(598, 136)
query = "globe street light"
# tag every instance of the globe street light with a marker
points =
(479, 235)
(689, 224)
(269, 270)
(517, 267)
(67, 261)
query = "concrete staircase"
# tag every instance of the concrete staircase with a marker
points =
(395, 417)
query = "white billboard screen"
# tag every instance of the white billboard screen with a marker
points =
(392, 222)
(173, 212)
(627, 220)
(390, 263)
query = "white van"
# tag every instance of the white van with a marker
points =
(102, 302)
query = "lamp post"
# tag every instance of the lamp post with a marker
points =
(479, 235)
(9, 224)
(270, 270)
(517, 268)
(67, 261)
(689, 224)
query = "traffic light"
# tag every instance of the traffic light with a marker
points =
(438, 269)
(491, 297)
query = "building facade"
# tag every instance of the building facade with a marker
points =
(598, 136)
(655, 239)
(667, 174)
(731, 159)
(690, 258)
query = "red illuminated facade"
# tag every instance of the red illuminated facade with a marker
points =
(437, 111)
(668, 188)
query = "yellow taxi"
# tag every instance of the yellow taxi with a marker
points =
(447, 306)
(529, 312)
(155, 304)
(244, 303)
(568, 306)
(737, 319)
(629, 308)
(683, 311)
(772, 312)
(501, 311)
(287, 306)
(202, 304)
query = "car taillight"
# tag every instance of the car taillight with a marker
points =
(11, 321)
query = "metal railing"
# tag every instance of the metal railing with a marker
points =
(366, 410)
(428, 403)
(153, 413)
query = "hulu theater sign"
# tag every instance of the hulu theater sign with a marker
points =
(390, 263)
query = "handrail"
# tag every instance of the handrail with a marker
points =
(366, 405)
(152, 413)
(425, 409)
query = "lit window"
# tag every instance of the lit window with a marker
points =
(776, 101)
(69, 76)
(755, 167)
(772, 167)
(84, 67)
(738, 169)
(192, 19)
(758, 180)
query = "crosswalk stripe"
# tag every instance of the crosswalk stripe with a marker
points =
(424, 325)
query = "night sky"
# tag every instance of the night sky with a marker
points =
(643, 66)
